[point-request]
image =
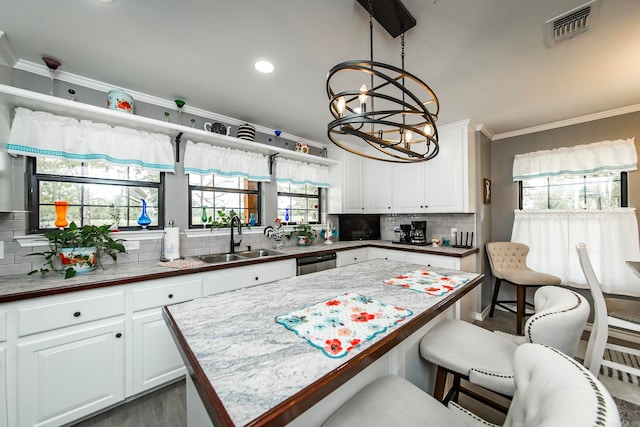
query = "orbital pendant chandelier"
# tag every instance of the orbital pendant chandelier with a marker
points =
(376, 107)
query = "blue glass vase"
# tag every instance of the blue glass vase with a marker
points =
(144, 220)
(286, 214)
(252, 219)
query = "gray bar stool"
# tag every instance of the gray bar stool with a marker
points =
(508, 262)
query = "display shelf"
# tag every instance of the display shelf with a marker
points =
(16, 97)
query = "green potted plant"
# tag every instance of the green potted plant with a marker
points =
(305, 234)
(78, 250)
(223, 219)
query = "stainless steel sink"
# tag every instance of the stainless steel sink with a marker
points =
(258, 253)
(218, 258)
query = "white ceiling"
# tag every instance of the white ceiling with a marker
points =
(485, 59)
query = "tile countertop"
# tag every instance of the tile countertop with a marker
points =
(17, 287)
(260, 370)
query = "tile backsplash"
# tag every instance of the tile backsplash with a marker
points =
(16, 261)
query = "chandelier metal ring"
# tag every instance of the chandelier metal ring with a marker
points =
(401, 111)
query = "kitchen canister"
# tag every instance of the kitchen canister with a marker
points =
(119, 100)
(247, 132)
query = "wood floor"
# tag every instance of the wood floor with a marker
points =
(166, 407)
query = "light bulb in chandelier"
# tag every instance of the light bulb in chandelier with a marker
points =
(363, 98)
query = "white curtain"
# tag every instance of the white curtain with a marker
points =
(41, 134)
(205, 159)
(611, 237)
(296, 172)
(616, 156)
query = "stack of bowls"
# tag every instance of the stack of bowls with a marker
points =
(246, 131)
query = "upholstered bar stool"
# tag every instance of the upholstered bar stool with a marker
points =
(551, 390)
(508, 262)
(485, 358)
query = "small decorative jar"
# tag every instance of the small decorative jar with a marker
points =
(120, 100)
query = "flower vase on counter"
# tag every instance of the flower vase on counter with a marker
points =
(144, 220)
(61, 214)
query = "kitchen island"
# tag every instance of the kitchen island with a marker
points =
(246, 369)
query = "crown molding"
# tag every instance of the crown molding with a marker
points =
(569, 122)
(7, 55)
(485, 131)
(75, 79)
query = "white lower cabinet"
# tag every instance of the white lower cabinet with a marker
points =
(156, 360)
(66, 374)
(377, 253)
(351, 256)
(242, 277)
(434, 260)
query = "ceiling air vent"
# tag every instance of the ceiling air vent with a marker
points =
(571, 23)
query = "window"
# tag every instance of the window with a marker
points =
(210, 193)
(98, 193)
(598, 191)
(302, 202)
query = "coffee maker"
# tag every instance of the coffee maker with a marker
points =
(405, 233)
(418, 232)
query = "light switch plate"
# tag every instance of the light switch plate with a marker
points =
(454, 231)
(1, 250)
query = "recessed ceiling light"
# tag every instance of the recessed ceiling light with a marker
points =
(265, 67)
(106, 1)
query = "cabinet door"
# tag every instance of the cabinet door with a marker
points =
(63, 376)
(155, 357)
(445, 174)
(377, 186)
(352, 195)
(351, 257)
(409, 187)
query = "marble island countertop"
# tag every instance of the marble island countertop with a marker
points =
(17, 287)
(254, 371)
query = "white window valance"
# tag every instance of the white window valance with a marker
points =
(295, 172)
(41, 134)
(205, 159)
(616, 156)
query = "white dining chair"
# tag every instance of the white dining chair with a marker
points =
(609, 312)
(551, 389)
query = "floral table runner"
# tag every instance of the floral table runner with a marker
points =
(340, 324)
(429, 282)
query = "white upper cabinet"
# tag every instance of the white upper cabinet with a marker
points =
(443, 185)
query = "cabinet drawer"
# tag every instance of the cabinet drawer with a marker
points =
(242, 277)
(68, 312)
(170, 293)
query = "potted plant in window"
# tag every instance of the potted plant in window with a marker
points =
(305, 234)
(76, 250)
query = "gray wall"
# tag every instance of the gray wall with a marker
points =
(484, 214)
(505, 197)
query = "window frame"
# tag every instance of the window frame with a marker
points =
(33, 198)
(624, 191)
(191, 188)
(303, 195)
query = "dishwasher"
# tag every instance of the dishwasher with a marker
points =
(311, 264)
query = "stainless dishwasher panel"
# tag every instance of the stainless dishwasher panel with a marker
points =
(311, 264)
